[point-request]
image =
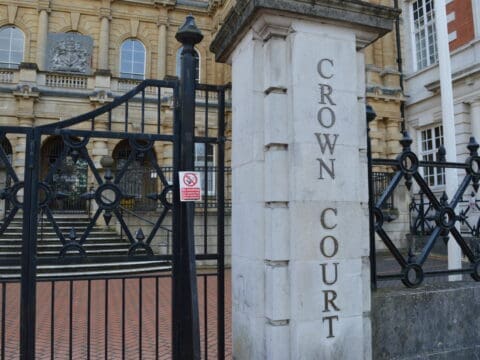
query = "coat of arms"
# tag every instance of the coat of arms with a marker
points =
(69, 53)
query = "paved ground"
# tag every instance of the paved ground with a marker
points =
(83, 344)
(154, 305)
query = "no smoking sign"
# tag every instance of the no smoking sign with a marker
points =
(190, 189)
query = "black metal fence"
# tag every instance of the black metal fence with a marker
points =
(173, 311)
(438, 218)
(380, 182)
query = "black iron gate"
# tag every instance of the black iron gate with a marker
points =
(71, 313)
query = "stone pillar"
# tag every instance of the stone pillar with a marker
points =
(26, 95)
(42, 33)
(475, 118)
(300, 269)
(393, 136)
(162, 51)
(104, 40)
(476, 16)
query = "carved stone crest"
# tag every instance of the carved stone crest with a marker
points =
(69, 52)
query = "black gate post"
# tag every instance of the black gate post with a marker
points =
(186, 331)
(29, 248)
(370, 114)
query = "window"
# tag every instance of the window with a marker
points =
(132, 59)
(425, 40)
(12, 42)
(197, 64)
(207, 158)
(431, 139)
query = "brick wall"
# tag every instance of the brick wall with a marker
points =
(461, 28)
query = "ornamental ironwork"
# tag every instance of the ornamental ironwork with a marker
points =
(444, 215)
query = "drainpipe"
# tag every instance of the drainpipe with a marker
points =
(400, 65)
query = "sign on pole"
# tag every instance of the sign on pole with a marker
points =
(190, 189)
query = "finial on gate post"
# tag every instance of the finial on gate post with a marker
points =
(189, 33)
(371, 114)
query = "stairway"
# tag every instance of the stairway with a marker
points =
(102, 242)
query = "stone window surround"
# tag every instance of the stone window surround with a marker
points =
(416, 66)
(13, 37)
(428, 134)
(132, 74)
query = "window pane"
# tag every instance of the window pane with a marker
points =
(4, 56)
(127, 46)
(126, 66)
(138, 68)
(11, 46)
(132, 59)
(423, 23)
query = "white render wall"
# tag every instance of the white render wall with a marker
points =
(293, 299)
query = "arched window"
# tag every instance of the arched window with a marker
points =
(140, 178)
(179, 64)
(132, 59)
(12, 42)
(69, 178)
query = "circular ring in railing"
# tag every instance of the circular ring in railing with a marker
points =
(138, 246)
(473, 163)
(446, 218)
(14, 193)
(378, 218)
(141, 144)
(75, 142)
(408, 162)
(476, 271)
(108, 196)
(45, 194)
(412, 275)
(167, 190)
(72, 245)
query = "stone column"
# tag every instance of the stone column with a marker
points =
(162, 51)
(42, 33)
(475, 118)
(476, 16)
(104, 40)
(300, 269)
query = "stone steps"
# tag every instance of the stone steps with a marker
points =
(102, 242)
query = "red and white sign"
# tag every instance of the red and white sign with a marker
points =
(190, 189)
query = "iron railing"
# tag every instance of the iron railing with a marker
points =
(445, 216)
(380, 182)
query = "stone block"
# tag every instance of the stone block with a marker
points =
(248, 230)
(248, 288)
(248, 335)
(321, 291)
(432, 322)
(277, 291)
(277, 232)
(276, 118)
(276, 174)
(277, 342)
(311, 340)
(327, 178)
(275, 55)
(245, 180)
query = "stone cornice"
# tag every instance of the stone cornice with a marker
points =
(368, 17)
(466, 74)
